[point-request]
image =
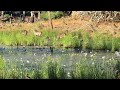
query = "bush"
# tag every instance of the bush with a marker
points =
(54, 15)
(7, 16)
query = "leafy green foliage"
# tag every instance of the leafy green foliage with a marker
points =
(54, 15)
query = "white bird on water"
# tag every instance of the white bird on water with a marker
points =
(117, 53)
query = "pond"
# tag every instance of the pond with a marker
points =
(36, 54)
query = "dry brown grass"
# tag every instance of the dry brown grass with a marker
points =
(69, 24)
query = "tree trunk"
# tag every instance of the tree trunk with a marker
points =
(32, 17)
(2, 13)
(23, 17)
(50, 20)
(11, 18)
(38, 15)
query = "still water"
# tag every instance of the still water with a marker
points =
(34, 55)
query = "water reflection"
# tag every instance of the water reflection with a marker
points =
(38, 54)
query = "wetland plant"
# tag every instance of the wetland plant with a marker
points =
(53, 69)
(81, 39)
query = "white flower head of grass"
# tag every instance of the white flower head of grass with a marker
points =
(28, 61)
(81, 51)
(26, 69)
(34, 54)
(72, 55)
(85, 54)
(22, 64)
(63, 51)
(90, 52)
(43, 57)
(103, 57)
(21, 60)
(17, 68)
(91, 55)
(112, 58)
(93, 63)
(37, 59)
(107, 50)
(36, 63)
(68, 74)
(64, 65)
(92, 59)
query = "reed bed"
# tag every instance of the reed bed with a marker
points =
(53, 68)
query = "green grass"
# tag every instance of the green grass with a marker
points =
(79, 39)
(94, 70)
(98, 41)
(53, 69)
(86, 43)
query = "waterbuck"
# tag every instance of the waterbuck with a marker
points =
(37, 33)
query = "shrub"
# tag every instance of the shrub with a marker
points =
(54, 15)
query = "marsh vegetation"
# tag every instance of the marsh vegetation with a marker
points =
(60, 45)
(40, 63)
